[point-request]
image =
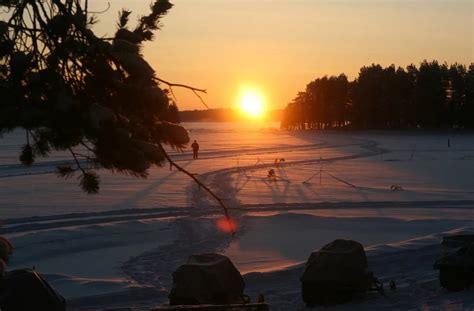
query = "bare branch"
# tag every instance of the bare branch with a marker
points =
(19, 27)
(181, 85)
(86, 146)
(77, 161)
(193, 176)
(172, 94)
(200, 98)
(193, 89)
(99, 12)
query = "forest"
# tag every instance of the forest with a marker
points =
(430, 96)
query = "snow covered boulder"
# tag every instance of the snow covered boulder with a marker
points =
(456, 265)
(335, 273)
(454, 242)
(6, 249)
(26, 289)
(207, 279)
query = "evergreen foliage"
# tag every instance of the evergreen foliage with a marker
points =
(432, 96)
(71, 90)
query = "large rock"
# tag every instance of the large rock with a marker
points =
(27, 290)
(335, 273)
(452, 243)
(6, 249)
(456, 265)
(207, 278)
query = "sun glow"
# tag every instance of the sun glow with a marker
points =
(252, 104)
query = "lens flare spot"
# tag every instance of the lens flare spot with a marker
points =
(227, 225)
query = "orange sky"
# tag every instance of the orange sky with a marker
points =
(278, 46)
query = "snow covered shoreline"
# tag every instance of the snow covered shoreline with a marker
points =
(120, 247)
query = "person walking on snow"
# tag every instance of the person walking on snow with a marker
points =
(195, 147)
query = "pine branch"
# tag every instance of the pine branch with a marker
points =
(89, 181)
(65, 171)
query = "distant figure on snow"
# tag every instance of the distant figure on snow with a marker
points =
(195, 147)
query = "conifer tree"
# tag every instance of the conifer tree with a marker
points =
(71, 90)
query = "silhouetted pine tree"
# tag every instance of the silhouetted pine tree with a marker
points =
(71, 90)
(466, 110)
(431, 96)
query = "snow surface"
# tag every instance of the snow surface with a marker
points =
(119, 248)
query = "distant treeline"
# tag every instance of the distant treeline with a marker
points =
(432, 96)
(222, 115)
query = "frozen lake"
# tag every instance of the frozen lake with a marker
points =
(239, 156)
(130, 237)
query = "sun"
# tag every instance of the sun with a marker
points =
(252, 104)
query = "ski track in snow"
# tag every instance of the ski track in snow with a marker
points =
(153, 267)
(220, 182)
(49, 167)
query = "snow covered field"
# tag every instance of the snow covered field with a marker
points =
(119, 248)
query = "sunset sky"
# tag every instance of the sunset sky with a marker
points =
(276, 47)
